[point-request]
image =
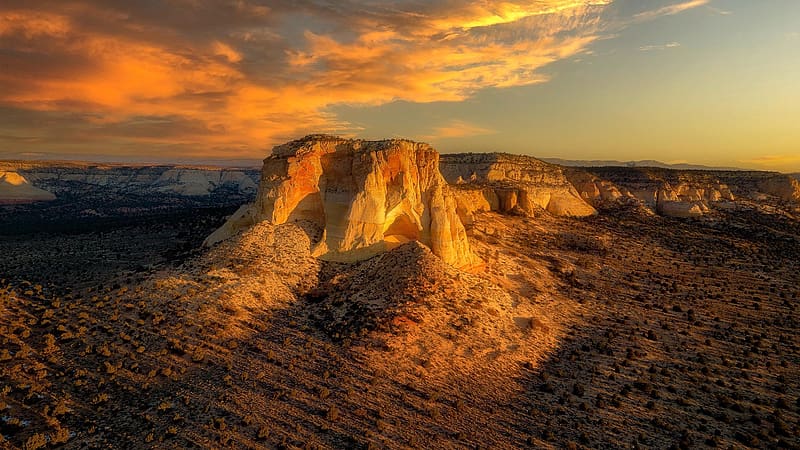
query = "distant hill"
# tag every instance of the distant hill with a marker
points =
(795, 175)
(642, 163)
(60, 177)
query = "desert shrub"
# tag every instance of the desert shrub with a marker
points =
(49, 344)
(60, 436)
(574, 241)
(34, 442)
(333, 413)
(219, 423)
(100, 399)
(198, 355)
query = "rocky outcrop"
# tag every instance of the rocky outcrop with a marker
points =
(14, 188)
(366, 196)
(597, 192)
(684, 193)
(675, 193)
(685, 198)
(510, 183)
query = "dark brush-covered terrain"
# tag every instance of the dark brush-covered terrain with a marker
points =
(108, 222)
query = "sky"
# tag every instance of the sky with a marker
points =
(702, 81)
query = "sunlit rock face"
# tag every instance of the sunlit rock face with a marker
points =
(366, 196)
(785, 187)
(510, 183)
(668, 192)
(689, 198)
(14, 188)
(594, 190)
(684, 193)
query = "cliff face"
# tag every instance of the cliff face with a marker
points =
(596, 191)
(668, 192)
(186, 181)
(14, 188)
(683, 193)
(503, 182)
(367, 196)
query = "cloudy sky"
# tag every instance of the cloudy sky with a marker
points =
(704, 81)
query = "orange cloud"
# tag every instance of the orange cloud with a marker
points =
(33, 23)
(458, 129)
(229, 79)
(497, 13)
(774, 161)
(671, 9)
(225, 50)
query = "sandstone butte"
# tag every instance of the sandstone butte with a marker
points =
(370, 196)
(366, 196)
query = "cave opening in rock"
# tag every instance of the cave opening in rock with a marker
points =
(401, 230)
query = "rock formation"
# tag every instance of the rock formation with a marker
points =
(510, 183)
(596, 191)
(670, 192)
(784, 187)
(683, 193)
(14, 188)
(366, 196)
(74, 178)
(202, 182)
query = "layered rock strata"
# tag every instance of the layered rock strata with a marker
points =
(672, 193)
(366, 196)
(72, 178)
(510, 183)
(684, 193)
(597, 192)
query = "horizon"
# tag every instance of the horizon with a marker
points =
(702, 82)
(250, 164)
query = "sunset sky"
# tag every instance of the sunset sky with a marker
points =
(704, 81)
